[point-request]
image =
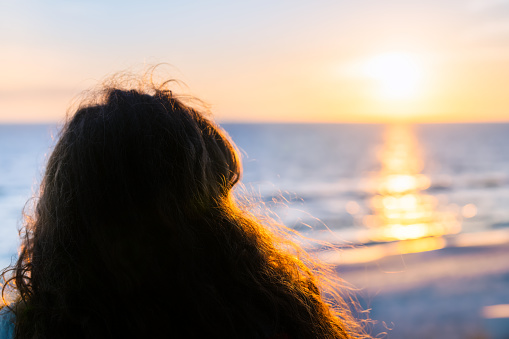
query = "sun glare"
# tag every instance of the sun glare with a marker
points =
(397, 75)
(402, 211)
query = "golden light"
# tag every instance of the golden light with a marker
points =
(421, 245)
(398, 75)
(401, 211)
(496, 311)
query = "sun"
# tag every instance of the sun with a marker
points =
(397, 75)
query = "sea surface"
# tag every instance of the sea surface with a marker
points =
(354, 183)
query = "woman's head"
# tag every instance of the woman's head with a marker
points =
(141, 149)
(135, 230)
(125, 186)
(131, 156)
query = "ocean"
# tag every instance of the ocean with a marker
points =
(341, 183)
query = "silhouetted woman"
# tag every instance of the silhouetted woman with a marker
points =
(136, 234)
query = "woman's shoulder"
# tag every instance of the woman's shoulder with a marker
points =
(7, 323)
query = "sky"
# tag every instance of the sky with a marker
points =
(363, 61)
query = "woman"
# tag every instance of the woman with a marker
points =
(136, 234)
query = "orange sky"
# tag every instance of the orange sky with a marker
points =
(260, 61)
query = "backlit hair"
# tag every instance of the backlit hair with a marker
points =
(136, 232)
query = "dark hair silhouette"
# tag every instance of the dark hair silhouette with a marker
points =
(136, 233)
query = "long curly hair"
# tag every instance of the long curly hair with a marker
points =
(136, 232)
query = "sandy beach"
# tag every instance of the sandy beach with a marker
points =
(459, 291)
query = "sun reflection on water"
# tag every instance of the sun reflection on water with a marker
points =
(401, 211)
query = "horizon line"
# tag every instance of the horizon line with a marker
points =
(293, 122)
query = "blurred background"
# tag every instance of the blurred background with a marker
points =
(378, 126)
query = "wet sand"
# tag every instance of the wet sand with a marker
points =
(445, 293)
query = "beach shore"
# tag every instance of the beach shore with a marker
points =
(459, 291)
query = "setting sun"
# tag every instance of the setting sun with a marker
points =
(397, 75)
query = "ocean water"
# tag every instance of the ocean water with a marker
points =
(334, 178)
(23, 150)
(328, 176)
